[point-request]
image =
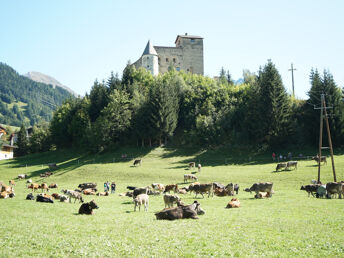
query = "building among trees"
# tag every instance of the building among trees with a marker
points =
(187, 55)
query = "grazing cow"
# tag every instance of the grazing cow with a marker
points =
(218, 186)
(87, 186)
(192, 165)
(41, 198)
(138, 162)
(170, 199)
(88, 207)
(34, 186)
(12, 183)
(236, 188)
(291, 164)
(53, 185)
(262, 195)
(203, 188)
(199, 168)
(73, 194)
(22, 176)
(189, 176)
(141, 199)
(234, 203)
(334, 188)
(30, 197)
(181, 212)
(103, 194)
(88, 191)
(280, 166)
(44, 187)
(322, 159)
(158, 187)
(310, 189)
(230, 189)
(260, 187)
(64, 198)
(169, 188)
(140, 190)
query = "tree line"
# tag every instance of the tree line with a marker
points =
(184, 109)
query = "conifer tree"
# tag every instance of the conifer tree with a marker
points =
(22, 142)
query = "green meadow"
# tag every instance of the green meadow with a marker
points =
(288, 224)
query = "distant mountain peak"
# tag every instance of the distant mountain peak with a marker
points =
(43, 78)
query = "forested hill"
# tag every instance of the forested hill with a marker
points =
(24, 101)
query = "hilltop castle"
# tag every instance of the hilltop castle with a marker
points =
(187, 55)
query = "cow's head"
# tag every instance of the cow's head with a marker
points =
(93, 205)
(303, 187)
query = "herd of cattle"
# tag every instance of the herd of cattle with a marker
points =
(140, 195)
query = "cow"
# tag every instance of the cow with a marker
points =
(41, 198)
(131, 188)
(73, 194)
(22, 176)
(262, 195)
(203, 188)
(199, 166)
(230, 189)
(140, 190)
(260, 187)
(46, 195)
(236, 188)
(310, 189)
(169, 188)
(6, 188)
(30, 197)
(64, 198)
(34, 186)
(192, 165)
(88, 191)
(169, 200)
(182, 191)
(138, 162)
(87, 185)
(4, 195)
(280, 166)
(181, 212)
(29, 181)
(129, 194)
(44, 187)
(220, 192)
(218, 186)
(88, 207)
(141, 199)
(56, 196)
(322, 159)
(52, 165)
(53, 185)
(12, 183)
(234, 203)
(103, 194)
(334, 188)
(158, 187)
(291, 164)
(189, 176)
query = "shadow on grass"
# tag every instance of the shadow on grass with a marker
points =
(127, 202)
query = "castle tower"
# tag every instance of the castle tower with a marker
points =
(150, 59)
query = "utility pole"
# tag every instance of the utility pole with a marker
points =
(323, 114)
(292, 77)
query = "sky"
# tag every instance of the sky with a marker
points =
(80, 41)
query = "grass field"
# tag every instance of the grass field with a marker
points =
(288, 224)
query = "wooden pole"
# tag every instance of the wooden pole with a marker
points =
(329, 142)
(292, 77)
(320, 135)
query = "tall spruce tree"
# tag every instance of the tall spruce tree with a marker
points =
(273, 107)
(22, 142)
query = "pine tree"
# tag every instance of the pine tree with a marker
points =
(22, 142)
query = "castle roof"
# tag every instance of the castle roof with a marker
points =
(188, 36)
(149, 50)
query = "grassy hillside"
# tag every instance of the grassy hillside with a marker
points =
(288, 224)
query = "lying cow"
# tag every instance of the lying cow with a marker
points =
(87, 185)
(64, 198)
(129, 194)
(103, 194)
(280, 166)
(41, 198)
(141, 199)
(169, 188)
(291, 164)
(189, 176)
(30, 197)
(334, 188)
(88, 191)
(310, 189)
(5, 195)
(12, 183)
(262, 195)
(22, 176)
(53, 185)
(169, 200)
(138, 162)
(88, 207)
(234, 203)
(158, 187)
(56, 196)
(261, 187)
(181, 212)
(131, 188)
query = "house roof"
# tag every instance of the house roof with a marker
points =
(188, 36)
(149, 50)
(7, 145)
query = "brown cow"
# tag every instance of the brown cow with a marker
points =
(334, 188)
(181, 212)
(234, 203)
(88, 192)
(169, 188)
(203, 188)
(220, 192)
(262, 195)
(87, 208)
(158, 187)
(34, 186)
(53, 185)
(44, 187)
(11, 183)
(56, 196)
(189, 176)
(169, 200)
(103, 194)
(192, 165)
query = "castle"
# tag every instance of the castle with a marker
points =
(187, 55)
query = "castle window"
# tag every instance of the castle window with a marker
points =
(147, 66)
(166, 59)
(192, 40)
(174, 60)
(187, 69)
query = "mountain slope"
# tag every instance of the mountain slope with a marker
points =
(43, 78)
(23, 100)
